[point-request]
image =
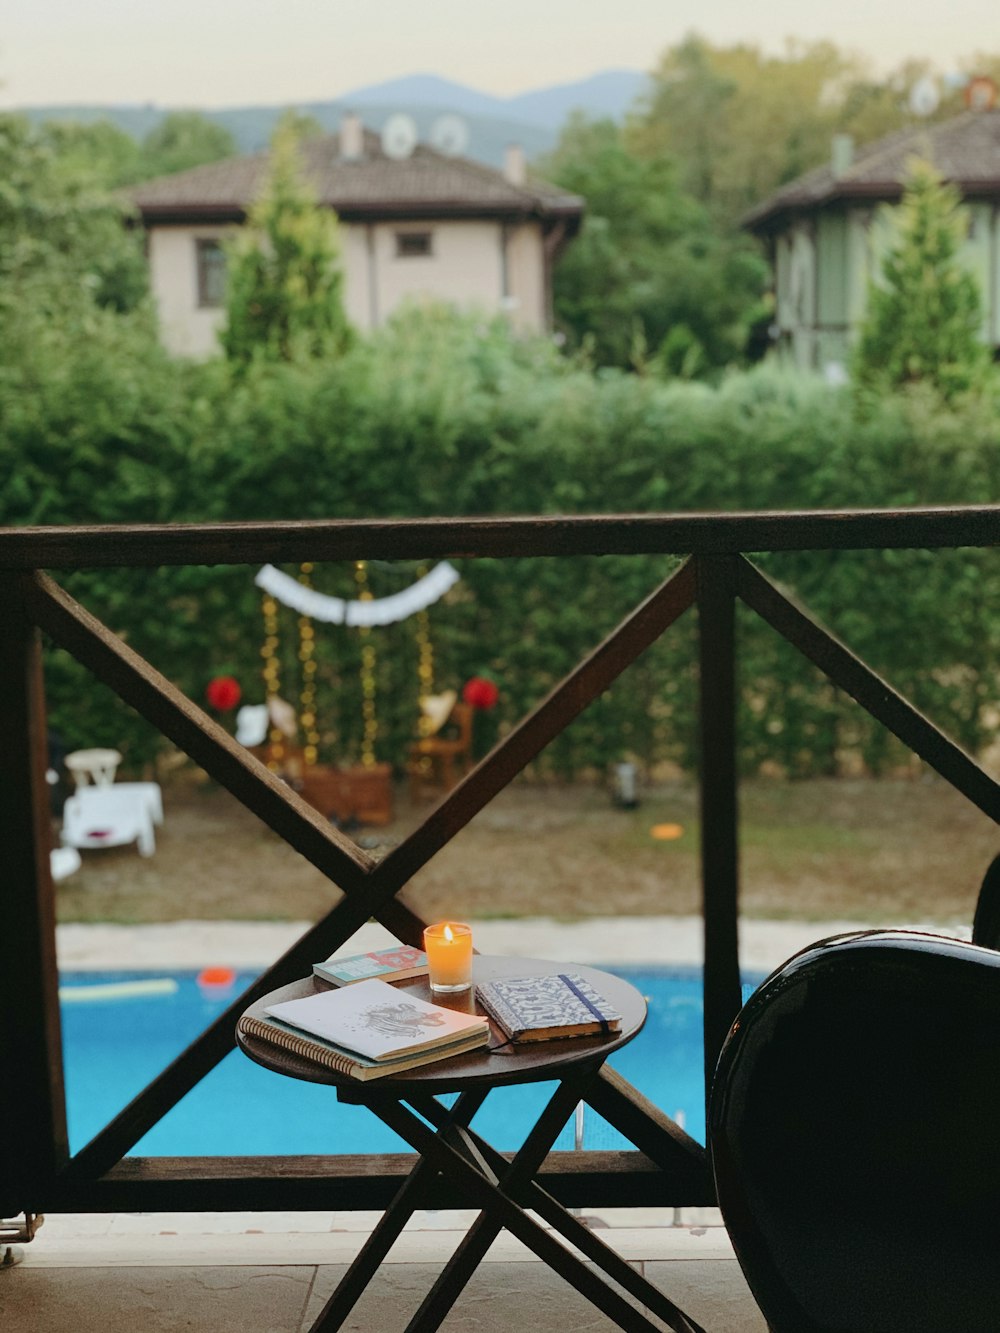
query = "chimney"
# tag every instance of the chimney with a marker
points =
(841, 154)
(515, 168)
(352, 138)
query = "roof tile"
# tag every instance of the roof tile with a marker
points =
(965, 150)
(373, 183)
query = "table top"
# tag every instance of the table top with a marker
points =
(532, 1062)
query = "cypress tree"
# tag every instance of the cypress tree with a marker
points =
(923, 317)
(284, 298)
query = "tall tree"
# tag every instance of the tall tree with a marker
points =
(923, 317)
(285, 282)
(98, 149)
(63, 242)
(649, 278)
(739, 122)
(184, 139)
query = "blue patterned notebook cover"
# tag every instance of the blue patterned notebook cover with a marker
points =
(556, 1001)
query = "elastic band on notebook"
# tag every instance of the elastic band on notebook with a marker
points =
(605, 1026)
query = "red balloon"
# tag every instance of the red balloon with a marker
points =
(223, 693)
(480, 692)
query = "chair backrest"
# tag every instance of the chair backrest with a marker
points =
(986, 923)
(855, 1137)
(461, 716)
(99, 766)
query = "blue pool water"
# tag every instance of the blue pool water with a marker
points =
(113, 1048)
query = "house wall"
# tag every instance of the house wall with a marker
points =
(484, 265)
(823, 268)
(186, 328)
(527, 285)
(796, 293)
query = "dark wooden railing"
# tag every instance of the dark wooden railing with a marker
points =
(37, 1172)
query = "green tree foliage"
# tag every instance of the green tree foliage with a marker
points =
(739, 122)
(285, 283)
(98, 150)
(649, 278)
(184, 139)
(923, 317)
(63, 243)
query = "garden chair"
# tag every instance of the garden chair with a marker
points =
(110, 817)
(438, 761)
(853, 1133)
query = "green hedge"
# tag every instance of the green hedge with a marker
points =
(441, 415)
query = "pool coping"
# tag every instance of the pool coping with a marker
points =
(657, 941)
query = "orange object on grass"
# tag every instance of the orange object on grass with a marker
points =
(666, 832)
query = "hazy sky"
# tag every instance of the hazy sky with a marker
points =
(232, 52)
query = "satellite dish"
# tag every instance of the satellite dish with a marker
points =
(924, 97)
(450, 135)
(399, 136)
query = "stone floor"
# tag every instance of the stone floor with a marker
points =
(271, 1273)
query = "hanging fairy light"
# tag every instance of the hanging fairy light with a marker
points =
(425, 662)
(369, 719)
(307, 694)
(272, 678)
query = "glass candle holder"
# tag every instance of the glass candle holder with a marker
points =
(448, 947)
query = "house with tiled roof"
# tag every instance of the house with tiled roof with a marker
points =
(423, 226)
(827, 231)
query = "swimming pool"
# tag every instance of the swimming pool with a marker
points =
(113, 1047)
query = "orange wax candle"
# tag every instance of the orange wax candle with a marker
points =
(448, 947)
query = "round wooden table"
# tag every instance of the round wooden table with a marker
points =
(503, 1187)
(499, 1065)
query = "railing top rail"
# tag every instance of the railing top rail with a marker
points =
(156, 544)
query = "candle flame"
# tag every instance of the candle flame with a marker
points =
(448, 934)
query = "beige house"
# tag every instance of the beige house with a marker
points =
(425, 226)
(827, 232)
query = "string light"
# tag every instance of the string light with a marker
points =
(272, 678)
(370, 731)
(425, 662)
(307, 694)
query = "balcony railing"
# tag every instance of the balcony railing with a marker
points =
(37, 1171)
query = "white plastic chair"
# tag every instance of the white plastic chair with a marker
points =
(147, 792)
(109, 817)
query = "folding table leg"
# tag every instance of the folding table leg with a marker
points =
(551, 1210)
(509, 1214)
(481, 1235)
(385, 1234)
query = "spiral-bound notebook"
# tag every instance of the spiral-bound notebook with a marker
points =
(367, 1030)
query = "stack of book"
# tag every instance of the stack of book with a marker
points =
(539, 1008)
(367, 1030)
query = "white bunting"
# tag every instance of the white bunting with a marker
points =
(337, 611)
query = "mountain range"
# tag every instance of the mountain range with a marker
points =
(532, 119)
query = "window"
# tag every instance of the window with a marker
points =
(211, 262)
(413, 244)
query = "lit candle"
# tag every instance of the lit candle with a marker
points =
(448, 947)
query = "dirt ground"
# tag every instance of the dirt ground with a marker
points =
(883, 852)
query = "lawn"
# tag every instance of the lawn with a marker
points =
(870, 851)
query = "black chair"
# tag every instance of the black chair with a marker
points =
(854, 1128)
(986, 923)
